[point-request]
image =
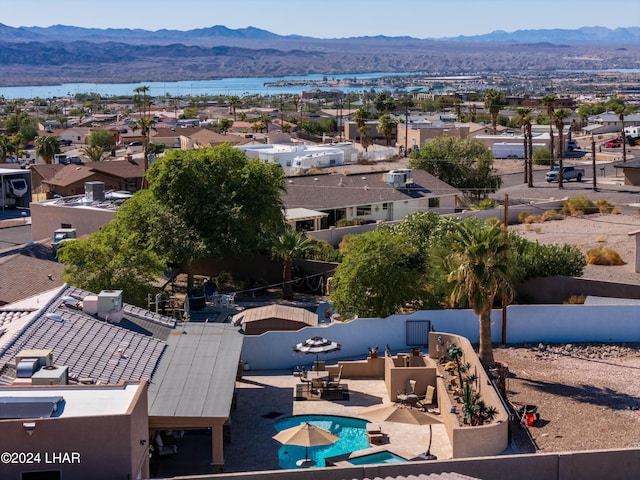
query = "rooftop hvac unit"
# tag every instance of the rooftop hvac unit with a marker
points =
(27, 367)
(399, 178)
(94, 191)
(53, 375)
(45, 357)
(110, 305)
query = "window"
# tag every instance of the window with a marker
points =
(66, 225)
(363, 210)
(434, 202)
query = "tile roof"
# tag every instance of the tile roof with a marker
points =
(89, 346)
(70, 174)
(28, 271)
(325, 191)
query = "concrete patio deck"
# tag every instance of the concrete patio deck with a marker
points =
(266, 396)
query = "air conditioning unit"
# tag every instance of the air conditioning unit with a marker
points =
(44, 357)
(110, 305)
(94, 191)
(53, 375)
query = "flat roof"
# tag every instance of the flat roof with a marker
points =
(80, 400)
(196, 374)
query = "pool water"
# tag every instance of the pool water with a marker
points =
(352, 433)
(380, 457)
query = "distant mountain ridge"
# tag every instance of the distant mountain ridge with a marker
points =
(38, 55)
(580, 36)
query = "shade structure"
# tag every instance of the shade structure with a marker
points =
(400, 414)
(316, 345)
(306, 435)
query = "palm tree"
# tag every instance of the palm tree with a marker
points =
(360, 117)
(47, 147)
(142, 102)
(146, 126)
(94, 152)
(6, 147)
(479, 269)
(286, 247)
(386, 126)
(525, 121)
(549, 101)
(559, 117)
(623, 110)
(233, 103)
(494, 101)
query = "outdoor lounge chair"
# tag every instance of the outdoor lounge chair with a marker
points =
(335, 382)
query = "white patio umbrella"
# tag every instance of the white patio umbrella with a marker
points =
(401, 414)
(316, 345)
(306, 435)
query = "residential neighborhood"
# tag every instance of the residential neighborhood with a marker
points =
(321, 283)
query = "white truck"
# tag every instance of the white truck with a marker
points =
(568, 173)
(512, 150)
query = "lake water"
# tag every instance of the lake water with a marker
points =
(223, 86)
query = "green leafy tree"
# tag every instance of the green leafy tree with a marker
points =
(376, 278)
(462, 163)
(224, 124)
(112, 258)
(535, 260)
(101, 138)
(230, 201)
(387, 126)
(494, 101)
(479, 271)
(47, 147)
(17, 120)
(287, 246)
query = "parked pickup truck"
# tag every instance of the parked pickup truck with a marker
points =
(568, 173)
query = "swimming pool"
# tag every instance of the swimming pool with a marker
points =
(352, 433)
(379, 457)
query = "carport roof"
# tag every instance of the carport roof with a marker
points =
(196, 375)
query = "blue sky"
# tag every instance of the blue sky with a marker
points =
(328, 18)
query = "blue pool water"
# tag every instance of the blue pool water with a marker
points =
(352, 433)
(380, 457)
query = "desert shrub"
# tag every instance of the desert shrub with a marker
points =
(522, 216)
(485, 204)
(602, 255)
(537, 260)
(541, 156)
(343, 222)
(322, 251)
(575, 300)
(604, 206)
(533, 218)
(579, 205)
(551, 215)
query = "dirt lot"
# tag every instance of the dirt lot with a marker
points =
(588, 397)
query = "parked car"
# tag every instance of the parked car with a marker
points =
(615, 143)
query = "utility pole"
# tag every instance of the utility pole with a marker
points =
(593, 163)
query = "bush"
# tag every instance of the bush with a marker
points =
(575, 300)
(602, 255)
(485, 204)
(541, 156)
(551, 215)
(604, 206)
(579, 205)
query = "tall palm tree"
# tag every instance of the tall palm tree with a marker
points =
(47, 147)
(146, 126)
(559, 116)
(286, 247)
(142, 102)
(360, 117)
(233, 103)
(524, 119)
(479, 269)
(549, 101)
(623, 110)
(386, 126)
(494, 101)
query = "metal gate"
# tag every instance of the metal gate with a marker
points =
(418, 332)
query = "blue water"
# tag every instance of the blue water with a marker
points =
(223, 86)
(380, 457)
(352, 433)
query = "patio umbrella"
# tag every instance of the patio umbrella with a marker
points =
(306, 435)
(316, 345)
(400, 414)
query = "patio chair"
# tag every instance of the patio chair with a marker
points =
(409, 396)
(305, 379)
(335, 382)
(163, 449)
(428, 400)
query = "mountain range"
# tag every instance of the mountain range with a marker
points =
(36, 55)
